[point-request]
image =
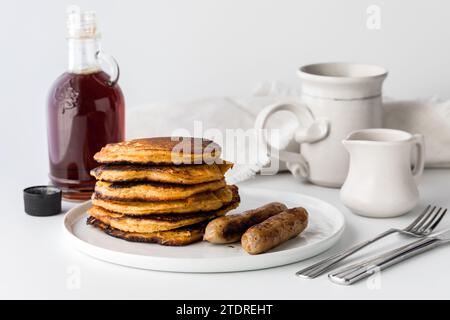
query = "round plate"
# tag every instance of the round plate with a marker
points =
(326, 224)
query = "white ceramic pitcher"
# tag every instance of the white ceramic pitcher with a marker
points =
(337, 98)
(382, 181)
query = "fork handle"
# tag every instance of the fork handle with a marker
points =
(363, 270)
(324, 265)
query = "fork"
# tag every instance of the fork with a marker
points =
(422, 226)
(358, 271)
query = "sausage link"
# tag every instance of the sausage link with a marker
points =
(228, 229)
(275, 230)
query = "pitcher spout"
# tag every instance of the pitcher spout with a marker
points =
(348, 144)
(352, 140)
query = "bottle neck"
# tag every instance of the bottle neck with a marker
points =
(83, 55)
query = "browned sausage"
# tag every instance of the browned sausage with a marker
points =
(275, 230)
(230, 228)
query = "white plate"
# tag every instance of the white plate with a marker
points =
(326, 224)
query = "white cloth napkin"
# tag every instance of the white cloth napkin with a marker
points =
(428, 117)
(213, 114)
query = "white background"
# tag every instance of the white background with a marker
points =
(177, 49)
(184, 49)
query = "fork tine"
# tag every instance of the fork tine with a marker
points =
(419, 218)
(435, 223)
(419, 225)
(425, 226)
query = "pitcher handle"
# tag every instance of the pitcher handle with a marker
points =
(419, 164)
(308, 131)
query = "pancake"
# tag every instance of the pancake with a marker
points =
(177, 237)
(160, 150)
(205, 201)
(157, 222)
(152, 191)
(185, 174)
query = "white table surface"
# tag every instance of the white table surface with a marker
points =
(38, 263)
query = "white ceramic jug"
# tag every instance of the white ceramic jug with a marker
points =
(337, 98)
(381, 180)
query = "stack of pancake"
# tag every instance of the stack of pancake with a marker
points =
(160, 190)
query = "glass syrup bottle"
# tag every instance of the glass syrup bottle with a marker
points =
(85, 109)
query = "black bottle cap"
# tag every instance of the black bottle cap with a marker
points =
(42, 201)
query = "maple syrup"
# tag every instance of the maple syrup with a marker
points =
(85, 110)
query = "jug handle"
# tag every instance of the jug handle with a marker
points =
(114, 71)
(420, 158)
(308, 131)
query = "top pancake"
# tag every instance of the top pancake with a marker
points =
(160, 150)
